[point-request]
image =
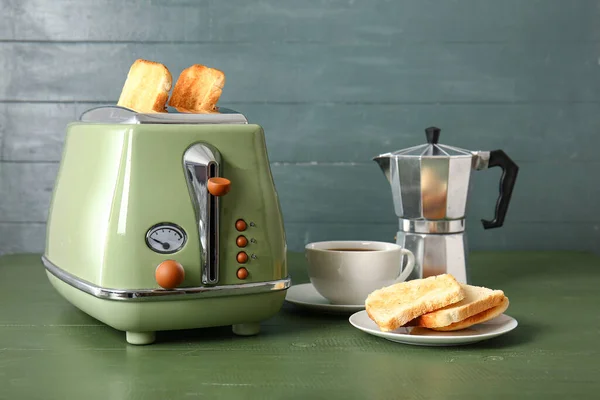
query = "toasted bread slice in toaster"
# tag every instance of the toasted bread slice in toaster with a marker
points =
(479, 318)
(146, 88)
(197, 89)
(477, 299)
(393, 306)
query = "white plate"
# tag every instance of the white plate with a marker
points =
(426, 337)
(305, 295)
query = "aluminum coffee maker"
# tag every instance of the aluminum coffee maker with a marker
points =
(430, 185)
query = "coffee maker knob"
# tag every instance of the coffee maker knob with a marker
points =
(169, 274)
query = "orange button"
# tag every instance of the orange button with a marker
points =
(242, 257)
(240, 225)
(218, 186)
(241, 241)
(242, 273)
(169, 274)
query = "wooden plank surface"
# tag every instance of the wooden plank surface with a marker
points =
(334, 83)
(358, 193)
(361, 193)
(398, 73)
(302, 354)
(26, 189)
(338, 21)
(29, 237)
(22, 237)
(351, 133)
(351, 197)
(34, 132)
(514, 235)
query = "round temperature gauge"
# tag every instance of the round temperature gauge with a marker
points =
(166, 238)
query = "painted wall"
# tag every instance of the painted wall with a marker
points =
(334, 83)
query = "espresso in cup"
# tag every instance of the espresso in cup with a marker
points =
(345, 272)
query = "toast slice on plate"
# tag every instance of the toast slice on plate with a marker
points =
(479, 318)
(477, 299)
(393, 306)
(146, 88)
(197, 89)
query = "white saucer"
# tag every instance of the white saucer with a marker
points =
(305, 295)
(426, 337)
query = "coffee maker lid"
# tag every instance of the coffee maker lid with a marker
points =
(122, 115)
(432, 148)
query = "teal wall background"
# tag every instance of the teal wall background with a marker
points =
(334, 83)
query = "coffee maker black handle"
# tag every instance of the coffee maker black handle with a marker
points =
(498, 158)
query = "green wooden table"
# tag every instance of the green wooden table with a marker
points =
(50, 350)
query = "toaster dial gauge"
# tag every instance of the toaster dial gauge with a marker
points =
(166, 238)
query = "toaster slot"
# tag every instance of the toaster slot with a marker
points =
(201, 162)
(212, 271)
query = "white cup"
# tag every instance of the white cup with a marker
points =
(347, 271)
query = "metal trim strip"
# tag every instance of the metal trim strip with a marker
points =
(121, 115)
(434, 227)
(163, 294)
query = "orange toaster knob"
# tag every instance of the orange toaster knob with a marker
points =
(169, 274)
(242, 257)
(241, 241)
(218, 186)
(240, 225)
(242, 273)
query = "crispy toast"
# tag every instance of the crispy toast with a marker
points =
(197, 89)
(146, 88)
(477, 299)
(393, 306)
(479, 318)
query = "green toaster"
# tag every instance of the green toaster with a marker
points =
(167, 221)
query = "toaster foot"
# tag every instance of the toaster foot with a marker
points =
(140, 337)
(249, 329)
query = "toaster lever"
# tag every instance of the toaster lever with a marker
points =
(201, 162)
